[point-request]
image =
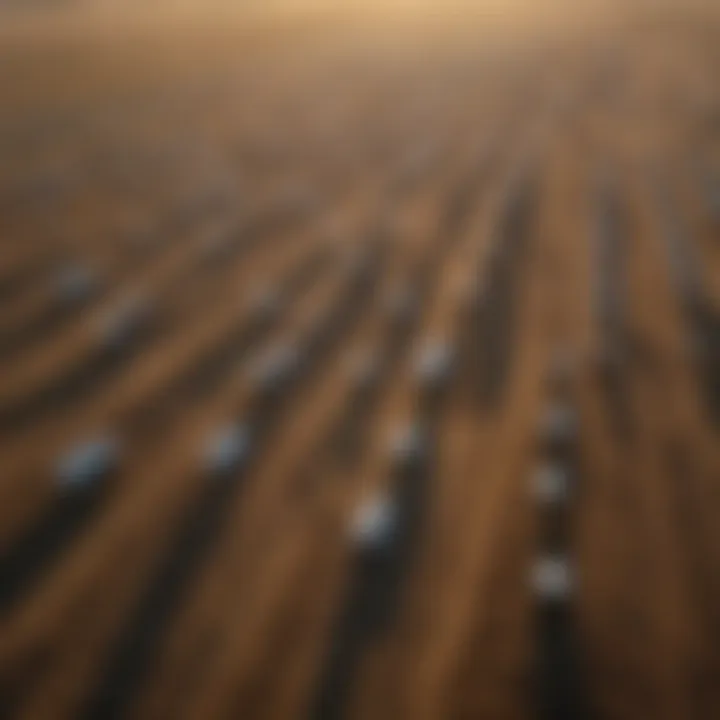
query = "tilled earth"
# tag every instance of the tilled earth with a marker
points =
(344, 377)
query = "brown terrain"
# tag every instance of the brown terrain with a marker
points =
(361, 364)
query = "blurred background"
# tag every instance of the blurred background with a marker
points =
(359, 359)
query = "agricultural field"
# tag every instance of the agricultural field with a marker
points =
(353, 367)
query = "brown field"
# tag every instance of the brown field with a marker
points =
(185, 199)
